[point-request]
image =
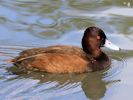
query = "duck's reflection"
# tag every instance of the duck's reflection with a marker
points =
(91, 83)
(93, 86)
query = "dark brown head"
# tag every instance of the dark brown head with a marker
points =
(93, 39)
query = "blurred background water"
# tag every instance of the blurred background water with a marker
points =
(39, 23)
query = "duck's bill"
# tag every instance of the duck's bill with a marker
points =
(110, 45)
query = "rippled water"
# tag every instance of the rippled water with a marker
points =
(39, 23)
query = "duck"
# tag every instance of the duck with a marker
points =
(69, 59)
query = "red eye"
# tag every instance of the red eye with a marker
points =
(98, 37)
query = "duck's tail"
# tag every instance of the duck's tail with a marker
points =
(9, 60)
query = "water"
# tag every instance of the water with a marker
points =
(38, 23)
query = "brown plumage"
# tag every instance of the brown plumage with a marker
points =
(68, 59)
(54, 59)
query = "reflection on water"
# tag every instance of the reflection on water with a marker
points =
(91, 83)
(38, 23)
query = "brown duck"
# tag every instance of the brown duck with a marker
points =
(69, 59)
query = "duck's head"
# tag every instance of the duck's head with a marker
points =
(94, 38)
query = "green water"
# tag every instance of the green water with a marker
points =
(39, 23)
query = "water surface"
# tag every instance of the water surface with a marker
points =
(39, 23)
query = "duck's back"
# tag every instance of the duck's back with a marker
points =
(54, 59)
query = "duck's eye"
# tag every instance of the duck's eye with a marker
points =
(98, 37)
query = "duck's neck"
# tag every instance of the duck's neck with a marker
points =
(91, 50)
(94, 53)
